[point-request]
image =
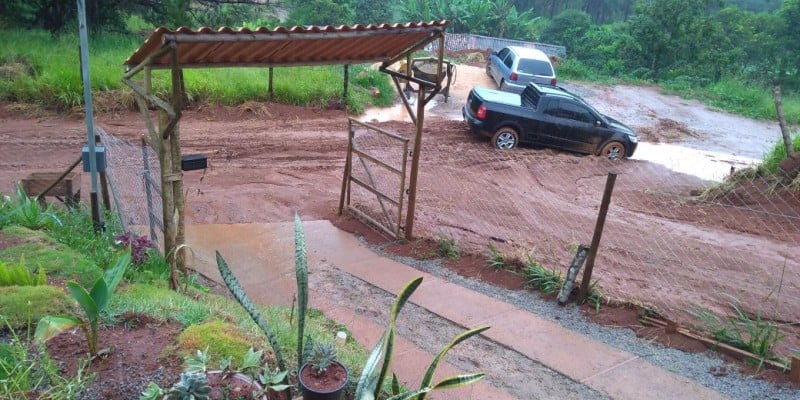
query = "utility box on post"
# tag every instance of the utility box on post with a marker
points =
(99, 157)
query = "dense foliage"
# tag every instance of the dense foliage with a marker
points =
(702, 45)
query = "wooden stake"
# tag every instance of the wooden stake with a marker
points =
(598, 233)
(794, 373)
(572, 273)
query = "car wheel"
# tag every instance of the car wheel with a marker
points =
(613, 150)
(489, 68)
(505, 139)
(501, 85)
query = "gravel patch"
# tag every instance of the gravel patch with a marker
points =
(505, 368)
(694, 366)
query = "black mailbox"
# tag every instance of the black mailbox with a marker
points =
(191, 162)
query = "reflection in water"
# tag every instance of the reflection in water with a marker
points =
(704, 164)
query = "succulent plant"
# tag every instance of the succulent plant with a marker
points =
(192, 386)
(321, 357)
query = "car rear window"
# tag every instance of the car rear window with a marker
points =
(535, 67)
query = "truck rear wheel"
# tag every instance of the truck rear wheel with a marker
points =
(613, 150)
(505, 138)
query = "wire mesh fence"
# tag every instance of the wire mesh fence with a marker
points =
(134, 175)
(464, 41)
(672, 242)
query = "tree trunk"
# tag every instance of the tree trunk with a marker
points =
(787, 138)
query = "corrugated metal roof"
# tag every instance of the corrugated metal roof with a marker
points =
(314, 45)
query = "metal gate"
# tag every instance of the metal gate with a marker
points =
(373, 186)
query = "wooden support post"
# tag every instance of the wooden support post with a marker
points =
(794, 372)
(412, 182)
(103, 181)
(270, 90)
(176, 172)
(347, 166)
(167, 199)
(346, 84)
(598, 233)
(147, 191)
(572, 273)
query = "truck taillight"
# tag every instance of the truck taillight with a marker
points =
(553, 82)
(481, 114)
(513, 76)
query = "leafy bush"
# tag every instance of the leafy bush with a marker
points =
(139, 244)
(92, 302)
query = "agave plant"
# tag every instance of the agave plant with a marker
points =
(371, 380)
(192, 386)
(301, 268)
(322, 356)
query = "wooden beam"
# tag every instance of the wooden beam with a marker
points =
(150, 97)
(147, 61)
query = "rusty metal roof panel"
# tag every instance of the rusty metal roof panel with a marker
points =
(311, 45)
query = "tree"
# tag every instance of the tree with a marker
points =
(669, 32)
(373, 12)
(321, 12)
(569, 29)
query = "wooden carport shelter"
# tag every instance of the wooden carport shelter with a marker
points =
(262, 47)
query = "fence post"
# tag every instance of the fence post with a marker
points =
(598, 232)
(572, 273)
(794, 373)
(147, 192)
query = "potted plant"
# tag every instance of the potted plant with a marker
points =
(322, 377)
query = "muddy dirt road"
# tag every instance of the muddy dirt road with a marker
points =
(660, 247)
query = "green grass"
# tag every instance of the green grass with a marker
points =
(55, 82)
(57, 261)
(223, 340)
(538, 277)
(23, 305)
(777, 153)
(751, 333)
(736, 96)
(448, 248)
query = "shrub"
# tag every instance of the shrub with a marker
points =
(139, 244)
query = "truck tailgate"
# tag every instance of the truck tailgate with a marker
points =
(496, 96)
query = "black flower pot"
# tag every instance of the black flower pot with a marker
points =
(327, 386)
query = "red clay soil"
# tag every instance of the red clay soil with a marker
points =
(137, 351)
(267, 161)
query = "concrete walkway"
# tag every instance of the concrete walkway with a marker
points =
(262, 256)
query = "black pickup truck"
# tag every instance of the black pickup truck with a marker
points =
(546, 116)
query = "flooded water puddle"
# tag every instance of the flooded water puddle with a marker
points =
(705, 164)
(435, 108)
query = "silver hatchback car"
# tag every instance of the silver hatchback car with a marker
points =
(513, 67)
